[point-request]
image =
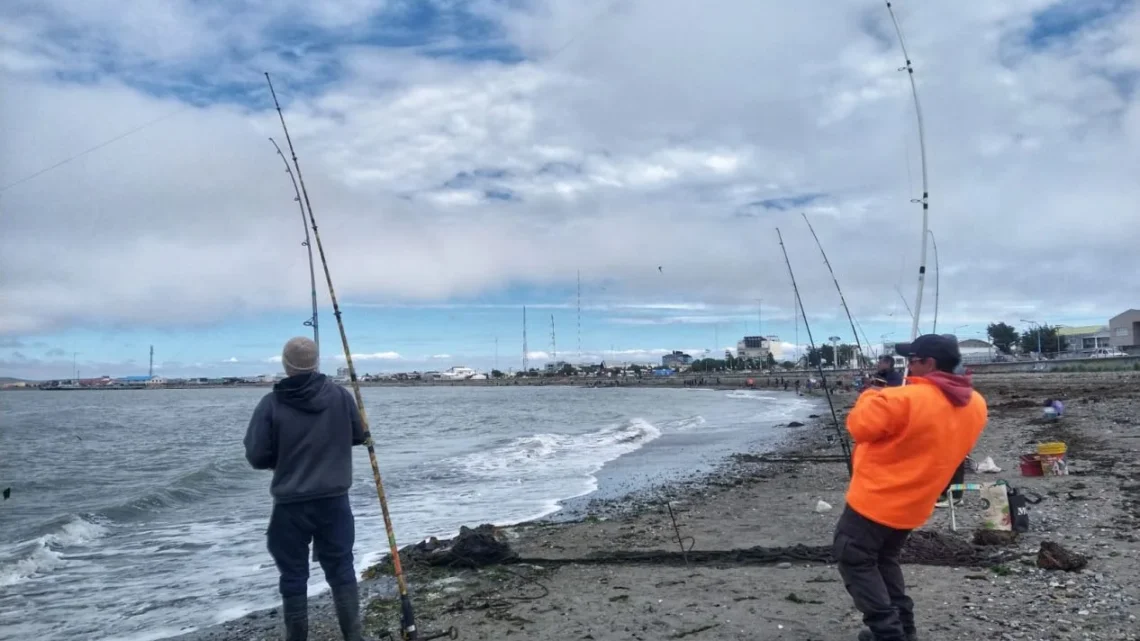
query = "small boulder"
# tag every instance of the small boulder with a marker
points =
(1052, 556)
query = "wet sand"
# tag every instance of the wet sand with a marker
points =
(1094, 511)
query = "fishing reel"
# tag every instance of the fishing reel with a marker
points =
(450, 633)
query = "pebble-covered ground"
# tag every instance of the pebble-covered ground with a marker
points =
(1094, 511)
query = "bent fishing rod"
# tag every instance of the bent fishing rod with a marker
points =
(819, 357)
(308, 246)
(925, 200)
(835, 280)
(407, 617)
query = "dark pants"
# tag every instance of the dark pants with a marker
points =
(329, 524)
(868, 557)
(958, 479)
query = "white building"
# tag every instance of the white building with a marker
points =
(458, 373)
(975, 351)
(759, 347)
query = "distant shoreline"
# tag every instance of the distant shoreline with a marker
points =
(732, 381)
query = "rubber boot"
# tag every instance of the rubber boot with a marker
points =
(295, 614)
(346, 600)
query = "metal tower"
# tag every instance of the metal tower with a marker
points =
(151, 371)
(579, 316)
(553, 341)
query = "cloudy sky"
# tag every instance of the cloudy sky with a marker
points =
(466, 157)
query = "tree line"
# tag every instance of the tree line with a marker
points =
(1044, 338)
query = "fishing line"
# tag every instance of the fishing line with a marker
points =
(312, 322)
(937, 279)
(909, 311)
(95, 148)
(407, 617)
(835, 280)
(866, 341)
(819, 357)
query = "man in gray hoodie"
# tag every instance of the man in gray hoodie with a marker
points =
(304, 431)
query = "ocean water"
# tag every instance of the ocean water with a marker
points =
(134, 515)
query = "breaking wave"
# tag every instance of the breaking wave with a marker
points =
(559, 454)
(45, 553)
(210, 480)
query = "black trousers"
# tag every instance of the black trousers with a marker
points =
(329, 524)
(868, 557)
(958, 479)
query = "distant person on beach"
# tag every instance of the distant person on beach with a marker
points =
(304, 431)
(1054, 409)
(885, 373)
(909, 441)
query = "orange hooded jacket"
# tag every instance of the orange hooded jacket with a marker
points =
(908, 442)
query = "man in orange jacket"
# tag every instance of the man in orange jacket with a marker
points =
(908, 442)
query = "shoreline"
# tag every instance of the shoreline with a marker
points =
(263, 623)
(1095, 511)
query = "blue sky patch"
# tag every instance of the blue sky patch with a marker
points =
(1064, 19)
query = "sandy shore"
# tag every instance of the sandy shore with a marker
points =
(1095, 511)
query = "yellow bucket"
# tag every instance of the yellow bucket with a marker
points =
(1053, 448)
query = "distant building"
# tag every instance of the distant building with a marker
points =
(759, 347)
(1125, 329)
(342, 372)
(457, 373)
(556, 366)
(676, 360)
(753, 347)
(975, 351)
(1085, 340)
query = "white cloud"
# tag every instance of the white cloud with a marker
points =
(375, 356)
(649, 141)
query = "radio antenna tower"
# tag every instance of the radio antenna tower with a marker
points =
(553, 342)
(526, 362)
(579, 316)
(151, 371)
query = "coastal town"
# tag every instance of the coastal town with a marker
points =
(1042, 347)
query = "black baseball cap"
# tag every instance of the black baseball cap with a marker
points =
(943, 348)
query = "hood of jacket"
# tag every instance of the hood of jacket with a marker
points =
(306, 392)
(957, 388)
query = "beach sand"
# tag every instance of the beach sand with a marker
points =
(1094, 511)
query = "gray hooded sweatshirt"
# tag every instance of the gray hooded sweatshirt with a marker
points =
(304, 431)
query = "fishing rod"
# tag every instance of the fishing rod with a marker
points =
(835, 280)
(407, 617)
(312, 274)
(866, 340)
(937, 278)
(925, 200)
(819, 360)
